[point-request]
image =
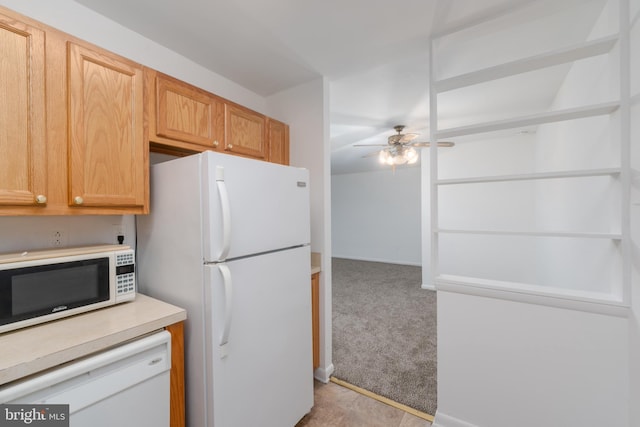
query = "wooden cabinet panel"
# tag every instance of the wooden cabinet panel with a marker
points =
(177, 397)
(107, 151)
(315, 318)
(278, 141)
(245, 132)
(23, 169)
(183, 119)
(181, 112)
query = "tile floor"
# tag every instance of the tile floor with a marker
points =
(337, 406)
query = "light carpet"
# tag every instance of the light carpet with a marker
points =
(384, 331)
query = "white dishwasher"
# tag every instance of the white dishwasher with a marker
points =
(126, 386)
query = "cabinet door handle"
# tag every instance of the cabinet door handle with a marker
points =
(41, 199)
(78, 200)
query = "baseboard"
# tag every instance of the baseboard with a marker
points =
(413, 264)
(324, 374)
(443, 420)
(428, 287)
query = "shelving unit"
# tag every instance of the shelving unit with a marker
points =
(616, 298)
(531, 120)
(560, 56)
(532, 176)
(587, 235)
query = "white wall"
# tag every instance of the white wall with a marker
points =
(305, 109)
(376, 215)
(23, 233)
(302, 107)
(634, 320)
(507, 364)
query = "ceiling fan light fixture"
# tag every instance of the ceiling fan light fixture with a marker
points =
(385, 157)
(401, 149)
(412, 155)
(398, 156)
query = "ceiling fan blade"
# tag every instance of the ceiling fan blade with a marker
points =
(402, 138)
(375, 153)
(370, 145)
(428, 144)
(407, 137)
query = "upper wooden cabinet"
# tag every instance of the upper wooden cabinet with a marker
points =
(183, 119)
(180, 114)
(23, 168)
(71, 125)
(278, 139)
(245, 132)
(106, 139)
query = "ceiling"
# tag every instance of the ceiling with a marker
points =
(373, 52)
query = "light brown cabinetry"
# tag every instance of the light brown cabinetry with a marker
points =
(177, 399)
(183, 119)
(278, 139)
(23, 171)
(180, 115)
(245, 132)
(106, 139)
(315, 318)
(71, 125)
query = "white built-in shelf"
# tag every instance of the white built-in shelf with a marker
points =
(549, 59)
(531, 120)
(532, 176)
(569, 234)
(596, 302)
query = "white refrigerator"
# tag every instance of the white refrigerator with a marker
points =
(228, 239)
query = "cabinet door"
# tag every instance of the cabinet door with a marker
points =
(245, 132)
(23, 169)
(186, 113)
(278, 142)
(107, 152)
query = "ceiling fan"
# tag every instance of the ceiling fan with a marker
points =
(400, 148)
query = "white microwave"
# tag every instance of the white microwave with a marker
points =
(39, 286)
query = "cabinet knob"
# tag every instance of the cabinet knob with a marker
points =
(216, 143)
(230, 147)
(78, 200)
(41, 199)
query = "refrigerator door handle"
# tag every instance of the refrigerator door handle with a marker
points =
(226, 213)
(228, 295)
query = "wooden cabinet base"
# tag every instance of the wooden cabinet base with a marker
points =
(177, 374)
(315, 318)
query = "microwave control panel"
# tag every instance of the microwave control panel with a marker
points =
(125, 276)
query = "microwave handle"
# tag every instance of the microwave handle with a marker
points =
(228, 299)
(226, 213)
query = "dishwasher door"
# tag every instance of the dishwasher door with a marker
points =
(126, 386)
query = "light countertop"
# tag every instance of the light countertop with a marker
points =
(26, 351)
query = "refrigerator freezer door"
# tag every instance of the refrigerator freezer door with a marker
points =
(253, 206)
(259, 362)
